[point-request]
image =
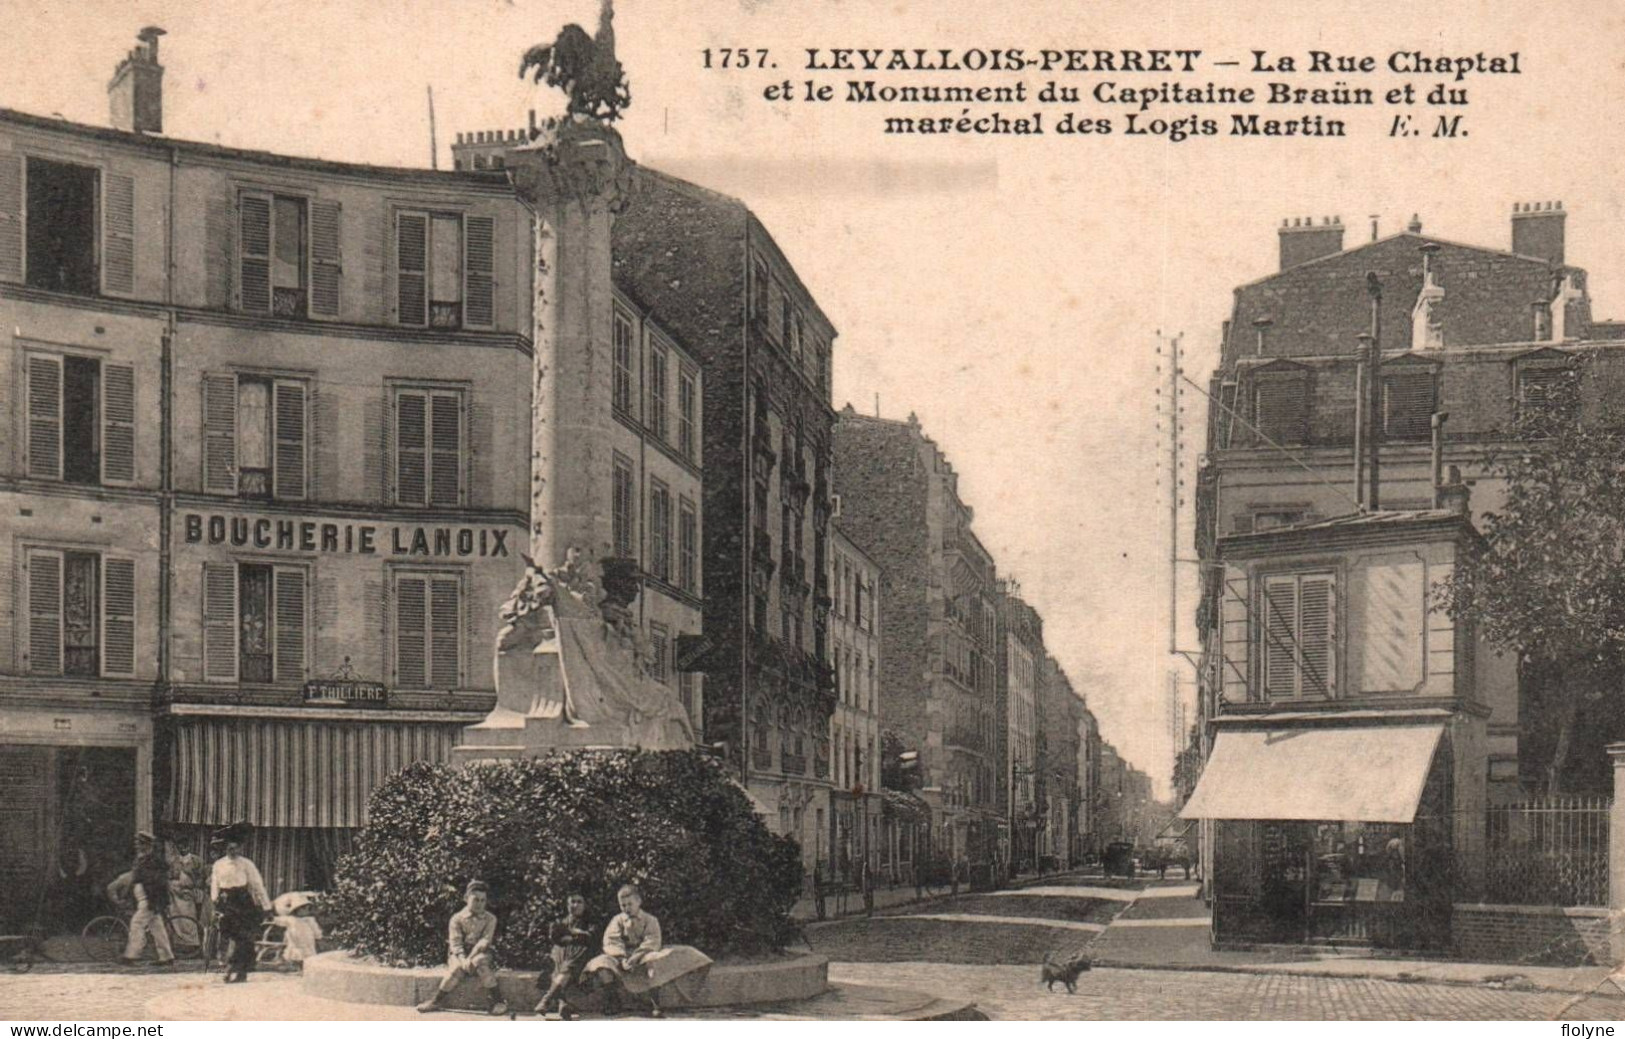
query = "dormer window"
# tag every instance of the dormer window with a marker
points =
(1281, 404)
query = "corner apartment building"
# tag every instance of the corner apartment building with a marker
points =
(265, 477)
(900, 502)
(855, 652)
(1478, 334)
(723, 288)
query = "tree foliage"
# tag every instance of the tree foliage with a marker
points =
(1547, 583)
(537, 830)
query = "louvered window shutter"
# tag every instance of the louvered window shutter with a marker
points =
(289, 475)
(44, 612)
(118, 423)
(1282, 408)
(290, 624)
(411, 447)
(220, 434)
(479, 255)
(1280, 624)
(254, 253)
(118, 233)
(44, 417)
(1408, 404)
(445, 627)
(326, 265)
(411, 643)
(118, 617)
(11, 217)
(446, 449)
(411, 262)
(1546, 390)
(1315, 631)
(220, 622)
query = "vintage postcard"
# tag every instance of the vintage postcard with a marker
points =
(839, 511)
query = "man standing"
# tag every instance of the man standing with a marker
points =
(150, 887)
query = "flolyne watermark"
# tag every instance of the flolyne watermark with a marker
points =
(286, 535)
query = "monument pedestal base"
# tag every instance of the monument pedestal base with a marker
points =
(506, 735)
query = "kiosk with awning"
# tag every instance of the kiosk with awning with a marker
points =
(1329, 833)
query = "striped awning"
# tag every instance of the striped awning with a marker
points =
(276, 772)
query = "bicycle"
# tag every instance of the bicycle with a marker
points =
(105, 938)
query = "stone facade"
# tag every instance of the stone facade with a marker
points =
(855, 654)
(900, 502)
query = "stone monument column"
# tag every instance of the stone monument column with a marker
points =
(576, 178)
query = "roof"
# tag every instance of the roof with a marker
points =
(160, 144)
(1320, 307)
(1352, 527)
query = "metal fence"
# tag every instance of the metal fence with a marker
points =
(1551, 851)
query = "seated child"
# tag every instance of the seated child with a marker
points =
(468, 951)
(571, 936)
(633, 956)
(300, 931)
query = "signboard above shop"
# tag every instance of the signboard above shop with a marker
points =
(345, 691)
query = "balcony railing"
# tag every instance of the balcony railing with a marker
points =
(793, 764)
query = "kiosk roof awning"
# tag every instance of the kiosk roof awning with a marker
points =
(1361, 774)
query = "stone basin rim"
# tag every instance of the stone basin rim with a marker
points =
(344, 977)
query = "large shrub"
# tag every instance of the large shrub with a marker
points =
(538, 829)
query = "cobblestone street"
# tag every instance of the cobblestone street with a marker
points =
(1000, 992)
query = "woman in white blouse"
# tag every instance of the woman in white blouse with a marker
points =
(240, 901)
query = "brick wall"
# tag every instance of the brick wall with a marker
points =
(1545, 935)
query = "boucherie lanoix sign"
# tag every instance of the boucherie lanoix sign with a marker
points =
(365, 539)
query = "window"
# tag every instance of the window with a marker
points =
(688, 538)
(273, 250)
(428, 627)
(657, 390)
(81, 420)
(793, 324)
(688, 692)
(759, 302)
(254, 622)
(1296, 622)
(622, 520)
(687, 402)
(81, 614)
(67, 204)
(1281, 406)
(429, 441)
(857, 600)
(786, 317)
(1409, 399)
(445, 270)
(254, 436)
(659, 530)
(659, 641)
(623, 364)
(1547, 391)
(1271, 519)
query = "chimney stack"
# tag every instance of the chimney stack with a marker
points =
(1304, 240)
(135, 96)
(1454, 495)
(1537, 230)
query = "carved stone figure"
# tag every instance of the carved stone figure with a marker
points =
(572, 669)
(584, 67)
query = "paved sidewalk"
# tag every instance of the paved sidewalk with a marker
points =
(1168, 928)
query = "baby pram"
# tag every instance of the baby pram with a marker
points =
(288, 937)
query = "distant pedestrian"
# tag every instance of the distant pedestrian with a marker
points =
(149, 885)
(240, 901)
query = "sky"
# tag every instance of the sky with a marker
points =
(1008, 291)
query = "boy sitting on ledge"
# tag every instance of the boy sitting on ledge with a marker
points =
(468, 942)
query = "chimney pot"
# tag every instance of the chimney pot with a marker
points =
(1415, 226)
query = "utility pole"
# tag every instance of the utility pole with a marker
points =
(1175, 484)
(434, 147)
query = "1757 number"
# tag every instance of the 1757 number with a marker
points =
(736, 58)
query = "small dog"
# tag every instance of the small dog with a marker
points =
(1064, 971)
